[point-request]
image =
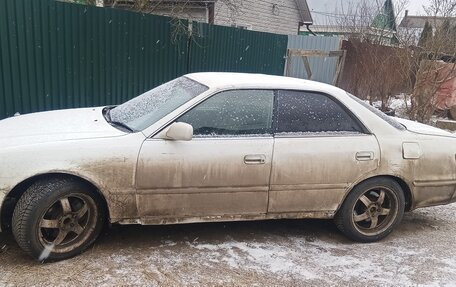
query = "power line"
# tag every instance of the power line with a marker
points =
(335, 15)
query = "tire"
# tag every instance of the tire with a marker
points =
(57, 219)
(371, 210)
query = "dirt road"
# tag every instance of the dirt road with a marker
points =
(271, 253)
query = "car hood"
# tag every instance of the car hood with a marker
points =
(61, 125)
(423, 129)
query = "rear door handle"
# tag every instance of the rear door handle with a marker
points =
(255, 159)
(364, 156)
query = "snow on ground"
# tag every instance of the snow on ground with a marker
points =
(399, 103)
(422, 252)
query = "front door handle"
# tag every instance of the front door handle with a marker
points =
(255, 159)
(364, 156)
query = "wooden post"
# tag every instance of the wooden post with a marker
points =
(340, 69)
(305, 60)
(288, 64)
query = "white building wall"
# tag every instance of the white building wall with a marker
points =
(190, 13)
(256, 15)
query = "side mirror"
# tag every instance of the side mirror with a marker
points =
(178, 132)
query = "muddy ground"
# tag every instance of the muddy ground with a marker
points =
(270, 253)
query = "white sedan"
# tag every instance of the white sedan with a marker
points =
(217, 147)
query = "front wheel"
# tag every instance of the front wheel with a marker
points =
(372, 210)
(57, 219)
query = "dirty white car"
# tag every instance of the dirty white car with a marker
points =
(217, 147)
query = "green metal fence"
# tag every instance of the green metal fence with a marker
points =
(219, 48)
(57, 55)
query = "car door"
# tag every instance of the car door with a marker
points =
(223, 171)
(320, 150)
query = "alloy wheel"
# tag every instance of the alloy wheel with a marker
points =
(375, 210)
(68, 223)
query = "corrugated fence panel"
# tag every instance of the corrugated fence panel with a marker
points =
(224, 49)
(56, 55)
(59, 55)
(323, 69)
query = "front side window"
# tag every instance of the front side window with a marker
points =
(306, 112)
(233, 113)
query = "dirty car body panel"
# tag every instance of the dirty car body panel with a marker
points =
(257, 173)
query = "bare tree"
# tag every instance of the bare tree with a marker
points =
(86, 2)
(365, 20)
(416, 69)
(372, 38)
(442, 8)
(423, 63)
(374, 73)
(180, 11)
(171, 8)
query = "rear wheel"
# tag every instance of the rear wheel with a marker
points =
(372, 210)
(57, 219)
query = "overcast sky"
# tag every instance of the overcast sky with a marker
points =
(415, 7)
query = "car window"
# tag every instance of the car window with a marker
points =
(146, 109)
(379, 113)
(233, 113)
(307, 112)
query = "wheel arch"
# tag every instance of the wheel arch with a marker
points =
(408, 194)
(10, 201)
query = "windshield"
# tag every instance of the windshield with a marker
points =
(146, 109)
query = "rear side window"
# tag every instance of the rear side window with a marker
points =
(306, 112)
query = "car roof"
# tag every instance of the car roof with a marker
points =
(245, 80)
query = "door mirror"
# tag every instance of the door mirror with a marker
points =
(178, 132)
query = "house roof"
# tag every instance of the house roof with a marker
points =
(419, 21)
(304, 11)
